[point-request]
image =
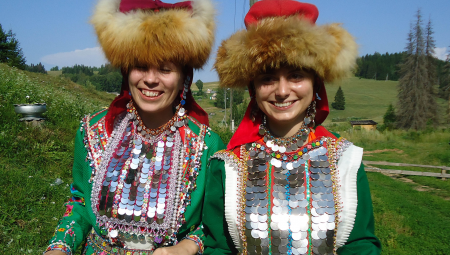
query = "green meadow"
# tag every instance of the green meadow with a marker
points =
(412, 213)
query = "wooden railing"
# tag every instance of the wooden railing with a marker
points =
(369, 168)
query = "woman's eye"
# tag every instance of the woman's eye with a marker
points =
(267, 79)
(165, 70)
(297, 76)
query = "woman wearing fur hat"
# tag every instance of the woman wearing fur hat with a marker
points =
(288, 185)
(139, 167)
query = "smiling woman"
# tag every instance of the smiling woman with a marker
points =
(288, 185)
(139, 167)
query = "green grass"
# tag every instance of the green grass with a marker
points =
(32, 158)
(409, 221)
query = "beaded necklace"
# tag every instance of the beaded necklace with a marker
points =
(145, 178)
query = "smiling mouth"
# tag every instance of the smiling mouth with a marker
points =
(149, 93)
(283, 104)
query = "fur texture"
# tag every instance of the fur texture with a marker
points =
(145, 38)
(329, 50)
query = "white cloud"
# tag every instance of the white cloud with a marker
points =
(87, 57)
(441, 53)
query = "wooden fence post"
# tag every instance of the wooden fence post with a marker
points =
(443, 172)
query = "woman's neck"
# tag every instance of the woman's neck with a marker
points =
(284, 128)
(155, 120)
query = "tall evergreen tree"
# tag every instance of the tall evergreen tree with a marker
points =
(10, 51)
(339, 100)
(413, 89)
(432, 75)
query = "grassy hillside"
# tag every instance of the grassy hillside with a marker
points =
(33, 160)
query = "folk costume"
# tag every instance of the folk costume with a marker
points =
(137, 189)
(280, 195)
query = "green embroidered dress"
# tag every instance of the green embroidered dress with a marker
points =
(314, 200)
(134, 204)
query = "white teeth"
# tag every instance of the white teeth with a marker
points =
(149, 93)
(283, 104)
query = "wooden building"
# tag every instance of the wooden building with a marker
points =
(364, 124)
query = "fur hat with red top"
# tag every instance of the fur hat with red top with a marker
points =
(149, 32)
(279, 33)
(284, 32)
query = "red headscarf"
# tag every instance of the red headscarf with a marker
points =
(247, 131)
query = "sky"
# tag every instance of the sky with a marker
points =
(58, 33)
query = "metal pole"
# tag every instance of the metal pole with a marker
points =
(225, 99)
(231, 104)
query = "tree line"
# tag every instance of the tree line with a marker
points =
(104, 78)
(387, 67)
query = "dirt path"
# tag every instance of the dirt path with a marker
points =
(417, 186)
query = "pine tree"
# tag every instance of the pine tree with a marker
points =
(389, 117)
(432, 77)
(339, 100)
(10, 51)
(414, 109)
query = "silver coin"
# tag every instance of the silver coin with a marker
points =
(293, 204)
(302, 203)
(322, 234)
(302, 250)
(282, 249)
(254, 217)
(314, 235)
(262, 210)
(276, 210)
(331, 225)
(263, 226)
(283, 226)
(255, 233)
(263, 202)
(262, 218)
(274, 225)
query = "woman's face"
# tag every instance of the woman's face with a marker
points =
(154, 89)
(284, 94)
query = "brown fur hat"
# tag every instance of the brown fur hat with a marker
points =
(329, 50)
(147, 38)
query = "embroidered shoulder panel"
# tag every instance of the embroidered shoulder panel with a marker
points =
(95, 140)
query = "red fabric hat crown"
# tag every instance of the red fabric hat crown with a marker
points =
(247, 131)
(128, 5)
(278, 8)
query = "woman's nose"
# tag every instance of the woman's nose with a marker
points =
(151, 76)
(283, 89)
